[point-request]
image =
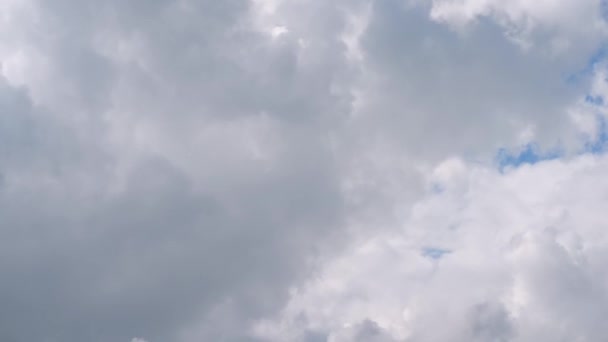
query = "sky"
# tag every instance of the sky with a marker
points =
(303, 170)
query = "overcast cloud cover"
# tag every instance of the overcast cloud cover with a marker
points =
(303, 170)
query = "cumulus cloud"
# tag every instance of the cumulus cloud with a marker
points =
(523, 262)
(553, 25)
(251, 170)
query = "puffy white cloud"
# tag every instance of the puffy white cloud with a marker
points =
(556, 25)
(517, 257)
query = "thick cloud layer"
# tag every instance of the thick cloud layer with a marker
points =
(280, 170)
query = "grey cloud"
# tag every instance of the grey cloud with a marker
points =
(97, 250)
(169, 170)
(370, 331)
(491, 322)
(430, 82)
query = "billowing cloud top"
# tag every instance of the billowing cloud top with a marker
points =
(303, 170)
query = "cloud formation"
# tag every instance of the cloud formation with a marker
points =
(288, 169)
(522, 261)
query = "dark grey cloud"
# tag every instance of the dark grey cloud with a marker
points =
(95, 249)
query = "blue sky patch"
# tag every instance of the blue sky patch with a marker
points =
(598, 146)
(604, 9)
(600, 55)
(530, 154)
(596, 100)
(434, 253)
(437, 188)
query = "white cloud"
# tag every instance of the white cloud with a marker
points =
(526, 250)
(559, 25)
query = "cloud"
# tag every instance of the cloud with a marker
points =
(141, 193)
(552, 25)
(525, 263)
(183, 170)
